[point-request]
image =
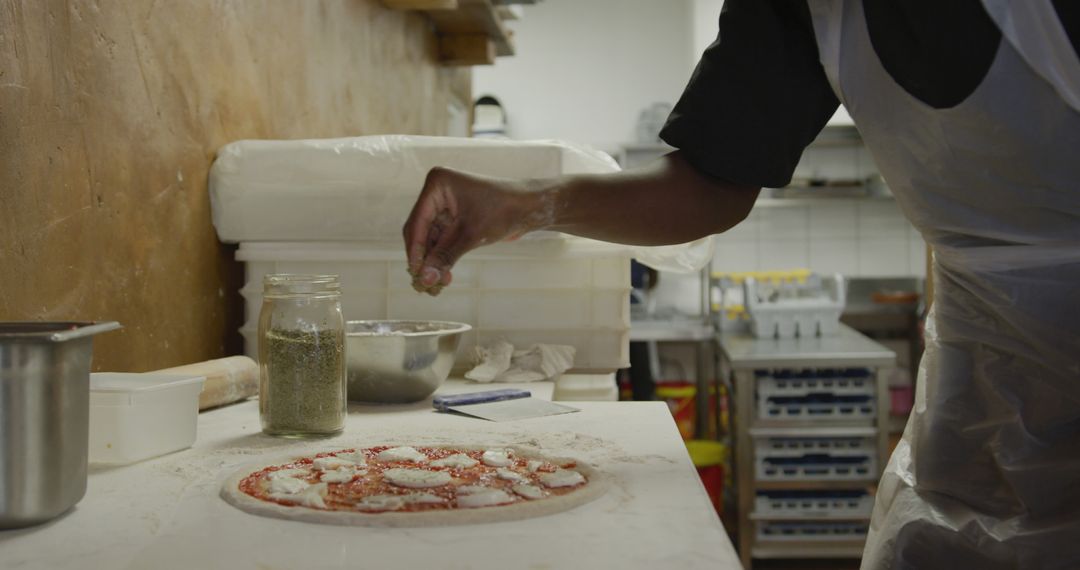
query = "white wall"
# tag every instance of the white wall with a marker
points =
(703, 25)
(855, 237)
(585, 69)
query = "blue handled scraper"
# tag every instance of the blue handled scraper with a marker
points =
(499, 405)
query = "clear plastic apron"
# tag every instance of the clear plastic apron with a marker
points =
(987, 474)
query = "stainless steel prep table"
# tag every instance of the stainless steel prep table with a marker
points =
(741, 355)
(166, 513)
(700, 334)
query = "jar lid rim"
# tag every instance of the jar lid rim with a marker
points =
(300, 284)
(299, 278)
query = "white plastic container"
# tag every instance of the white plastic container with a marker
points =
(817, 313)
(361, 188)
(138, 416)
(586, 388)
(545, 291)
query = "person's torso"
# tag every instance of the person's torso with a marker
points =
(980, 147)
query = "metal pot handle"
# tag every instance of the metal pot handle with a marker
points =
(80, 332)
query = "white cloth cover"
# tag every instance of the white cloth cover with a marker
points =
(361, 189)
(501, 363)
(987, 474)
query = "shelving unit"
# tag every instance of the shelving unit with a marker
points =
(809, 532)
(471, 32)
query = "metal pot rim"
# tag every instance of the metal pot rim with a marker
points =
(392, 328)
(55, 331)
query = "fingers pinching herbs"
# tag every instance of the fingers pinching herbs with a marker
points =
(427, 225)
(454, 214)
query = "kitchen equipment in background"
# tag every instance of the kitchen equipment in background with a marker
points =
(727, 294)
(710, 458)
(817, 531)
(681, 399)
(815, 458)
(801, 504)
(829, 188)
(44, 416)
(816, 394)
(651, 121)
(805, 305)
(489, 118)
(228, 380)
(817, 442)
(302, 356)
(500, 405)
(138, 416)
(890, 311)
(397, 362)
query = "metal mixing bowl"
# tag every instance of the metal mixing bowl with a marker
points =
(395, 362)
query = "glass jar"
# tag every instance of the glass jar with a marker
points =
(302, 356)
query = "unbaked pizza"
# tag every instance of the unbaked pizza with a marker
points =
(414, 486)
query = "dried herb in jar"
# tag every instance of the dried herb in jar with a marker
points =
(306, 371)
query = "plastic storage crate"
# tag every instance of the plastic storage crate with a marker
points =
(811, 531)
(817, 504)
(815, 458)
(791, 310)
(825, 394)
(531, 293)
(361, 188)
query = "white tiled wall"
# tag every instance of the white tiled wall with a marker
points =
(841, 162)
(856, 237)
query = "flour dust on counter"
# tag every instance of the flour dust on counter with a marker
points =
(167, 512)
(414, 486)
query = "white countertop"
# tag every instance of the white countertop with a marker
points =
(673, 330)
(166, 513)
(847, 348)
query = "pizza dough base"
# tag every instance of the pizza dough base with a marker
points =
(596, 486)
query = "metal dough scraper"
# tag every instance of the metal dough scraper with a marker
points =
(500, 405)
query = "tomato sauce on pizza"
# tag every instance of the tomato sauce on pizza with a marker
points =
(412, 479)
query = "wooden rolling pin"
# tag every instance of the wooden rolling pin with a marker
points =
(228, 380)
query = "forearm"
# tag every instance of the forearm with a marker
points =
(664, 203)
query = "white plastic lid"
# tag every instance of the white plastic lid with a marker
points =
(125, 382)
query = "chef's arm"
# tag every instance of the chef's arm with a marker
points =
(667, 202)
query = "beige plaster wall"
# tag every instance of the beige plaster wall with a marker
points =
(110, 114)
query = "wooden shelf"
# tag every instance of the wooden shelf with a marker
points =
(471, 32)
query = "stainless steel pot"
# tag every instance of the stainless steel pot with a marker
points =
(44, 418)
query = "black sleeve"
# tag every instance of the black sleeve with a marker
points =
(758, 96)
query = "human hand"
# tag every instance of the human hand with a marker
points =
(456, 213)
